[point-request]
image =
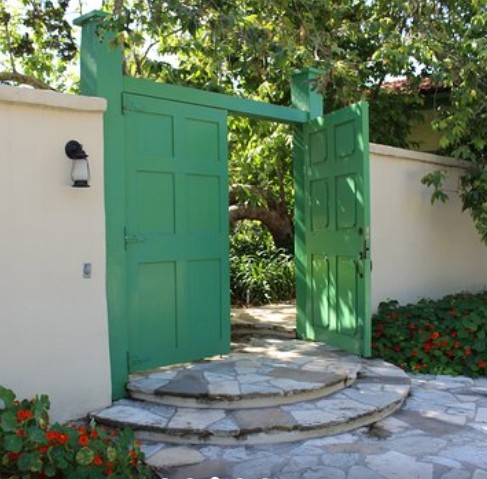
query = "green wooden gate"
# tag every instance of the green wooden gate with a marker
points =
(335, 290)
(167, 214)
(176, 231)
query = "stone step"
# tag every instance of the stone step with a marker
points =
(270, 320)
(276, 373)
(379, 391)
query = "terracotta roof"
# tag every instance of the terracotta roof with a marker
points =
(426, 85)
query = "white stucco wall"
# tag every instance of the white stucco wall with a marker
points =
(53, 323)
(418, 249)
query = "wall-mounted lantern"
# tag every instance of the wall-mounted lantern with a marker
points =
(80, 171)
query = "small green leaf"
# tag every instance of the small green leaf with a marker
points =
(13, 443)
(85, 456)
(8, 421)
(111, 454)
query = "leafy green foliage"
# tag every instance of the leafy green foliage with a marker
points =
(38, 41)
(448, 336)
(31, 448)
(259, 273)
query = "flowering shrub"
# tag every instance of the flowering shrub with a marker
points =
(448, 336)
(31, 448)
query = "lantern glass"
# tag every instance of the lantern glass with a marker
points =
(80, 173)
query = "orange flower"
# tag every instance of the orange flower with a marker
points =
(20, 433)
(435, 335)
(43, 449)
(24, 414)
(93, 434)
(481, 364)
(97, 460)
(83, 441)
(108, 470)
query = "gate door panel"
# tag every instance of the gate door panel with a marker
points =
(337, 233)
(176, 237)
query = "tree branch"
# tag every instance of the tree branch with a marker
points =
(24, 80)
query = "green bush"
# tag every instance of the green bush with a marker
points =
(31, 448)
(448, 336)
(259, 273)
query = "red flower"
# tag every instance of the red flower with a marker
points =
(380, 326)
(108, 470)
(414, 352)
(456, 344)
(93, 434)
(435, 335)
(444, 343)
(43, 449)
(427, 347)
(468, 351)
(82, 430)
(394, 316)
(418, 366)
(453, 334)
(396, 348)
(411, 326)
(13, 456)
(481, 364)
(20, 432)
(97, 460)
(59, 437)
(450, 353)
(83, 441)
(24, 414)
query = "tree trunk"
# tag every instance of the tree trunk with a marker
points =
(278, 223)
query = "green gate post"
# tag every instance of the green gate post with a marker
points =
(305, 98)
(102, 75)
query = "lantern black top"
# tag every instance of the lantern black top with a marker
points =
(74, 150)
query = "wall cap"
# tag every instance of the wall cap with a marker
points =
(411, 155)
(51, 99)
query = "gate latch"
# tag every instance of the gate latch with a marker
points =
(364, 254)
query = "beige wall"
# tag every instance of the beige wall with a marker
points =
(418, 249)
(53, 323)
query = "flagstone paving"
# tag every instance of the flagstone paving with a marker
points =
(278, 391)
(440, 433)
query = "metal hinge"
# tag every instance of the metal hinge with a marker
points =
(131, 239)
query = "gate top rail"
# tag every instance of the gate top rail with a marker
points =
(232, 104)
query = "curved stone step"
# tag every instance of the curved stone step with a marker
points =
(288, 372)
(379, 391)
(270, 320)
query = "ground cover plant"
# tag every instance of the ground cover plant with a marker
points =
(447, 336)
(260, 273)
(31, 448)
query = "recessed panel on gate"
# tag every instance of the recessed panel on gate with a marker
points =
(320, 204)
(204, 303)
(322, 290)
(318, 148)
(155, 202)
(346, 201)
(345, 139)
(346, 277)
(202, 141)
(154, 326)
(203, 203)
(154, 136)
